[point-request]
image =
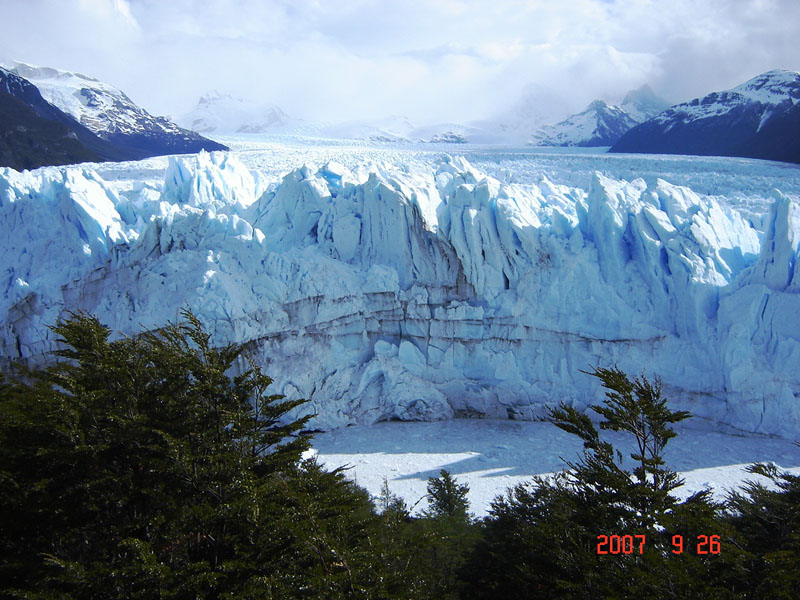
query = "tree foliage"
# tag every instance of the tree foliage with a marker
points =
(541, 539)
(768, 519)
(138, 468)
(142, 468)
(447, 497)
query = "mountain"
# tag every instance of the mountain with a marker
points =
(643, 104)
(517, 124)
(444, 133)
(109, 114)
(28, 141)
(757, 119)
(394, 128)
(226, 114)
(35, 131)
(602, 124)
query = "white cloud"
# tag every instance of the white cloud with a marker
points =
(430, 60)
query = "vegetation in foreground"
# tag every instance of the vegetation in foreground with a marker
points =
(138, 468)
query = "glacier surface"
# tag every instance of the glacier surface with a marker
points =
(426, 289)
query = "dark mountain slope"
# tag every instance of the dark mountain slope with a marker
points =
(111, 115)
(602, 124)
(153, 136)
(758, 119)
(28, 141)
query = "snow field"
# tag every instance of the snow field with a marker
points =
(492, 456)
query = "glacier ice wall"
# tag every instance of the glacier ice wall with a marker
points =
(423, 294)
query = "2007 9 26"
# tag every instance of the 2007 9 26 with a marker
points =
(628, 544)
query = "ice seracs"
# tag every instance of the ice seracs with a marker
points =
(424, 292)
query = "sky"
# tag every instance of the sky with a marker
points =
(428, 60)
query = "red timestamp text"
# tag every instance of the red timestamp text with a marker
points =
(634, 544)
(706, 544)
(619, 544)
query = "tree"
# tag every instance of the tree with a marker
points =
(443, 537)
(138, 468)
(541, 539)
(447, 497)
(768, 522)
(635, 407)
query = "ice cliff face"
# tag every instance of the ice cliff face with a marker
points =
(416, 294)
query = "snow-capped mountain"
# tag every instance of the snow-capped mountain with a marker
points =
(36, 133)
(28, 139)
(424, 288)
(643, 104)
(757, 119)
(513, 126)
(110, 114)
(394, 128)
(516, 125)
(599, 125)
(602, 124)
(449, 133)
(226, 114)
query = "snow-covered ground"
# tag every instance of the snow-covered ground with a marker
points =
(492, 456)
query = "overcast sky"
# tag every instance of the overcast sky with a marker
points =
(430, 60)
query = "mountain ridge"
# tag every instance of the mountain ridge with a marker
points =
(28, 141)
(601, 123)
(756, 119)
(25, 92)
(120, 130)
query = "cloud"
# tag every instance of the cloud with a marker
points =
(427, 59)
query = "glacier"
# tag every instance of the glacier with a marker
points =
(423, 291)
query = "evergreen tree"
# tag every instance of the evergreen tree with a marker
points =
(447, 497)
(767, 520)
(422, 555)
(635, 407)
(541, 539)
(138, 468)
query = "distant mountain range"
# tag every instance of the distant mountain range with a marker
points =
(58, 117)
(28, 140)
(223, 113)
(602, 124)
(526, 122)
(757, 119)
